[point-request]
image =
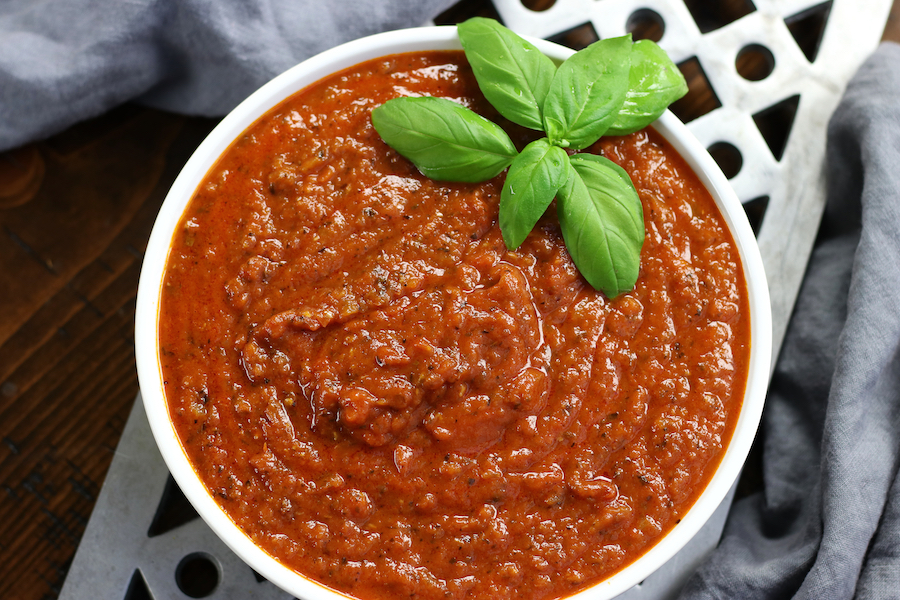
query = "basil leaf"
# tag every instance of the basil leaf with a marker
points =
(619, 171)
(445, 140)
(533, 179)
(587, 92)
(602, 223)
(654, 83)
(513, 75)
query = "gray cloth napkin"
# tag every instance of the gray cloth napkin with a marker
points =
(827, 525)
(62, 61)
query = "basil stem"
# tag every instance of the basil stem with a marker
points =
(602, 223)
(445, 140)
(654, 83)
(533, 179)
(513, 75)
(587, 92)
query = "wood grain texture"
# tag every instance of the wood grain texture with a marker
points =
(892, 28)
(75, 216)
(70, 256)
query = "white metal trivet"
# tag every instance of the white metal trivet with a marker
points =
(117, 559)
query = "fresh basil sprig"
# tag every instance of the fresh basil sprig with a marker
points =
(534, 178)
(612, 87)
(602, 223)
(445, 140)
(654, 83)
(587, 92)
(513, 75)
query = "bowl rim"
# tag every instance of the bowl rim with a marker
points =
(294, 80)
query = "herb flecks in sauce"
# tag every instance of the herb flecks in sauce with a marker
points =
(388, 400)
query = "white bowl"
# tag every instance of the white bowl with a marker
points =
(294, 80)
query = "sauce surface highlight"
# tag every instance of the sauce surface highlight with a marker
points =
(388, 401)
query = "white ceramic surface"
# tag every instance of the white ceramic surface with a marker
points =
(301, 76)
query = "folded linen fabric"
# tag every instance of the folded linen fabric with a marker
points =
(827, 524)
(62, 61)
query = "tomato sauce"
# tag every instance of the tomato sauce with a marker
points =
(387, 400)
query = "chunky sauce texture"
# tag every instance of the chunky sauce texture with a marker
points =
(388, 401)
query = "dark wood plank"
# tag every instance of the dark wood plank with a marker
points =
(892, 29)
(70, 250)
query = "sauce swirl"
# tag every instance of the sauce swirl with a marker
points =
(388, 401)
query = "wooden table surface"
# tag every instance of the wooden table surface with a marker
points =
(75, 215)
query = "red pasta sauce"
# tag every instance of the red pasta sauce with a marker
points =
(388, 401)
